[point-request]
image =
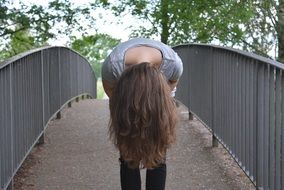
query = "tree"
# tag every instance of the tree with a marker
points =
(263, 31)
(39, 22)
(256, 26)
(20, 42)
(95, 48)
(184, 21)
(280, 30)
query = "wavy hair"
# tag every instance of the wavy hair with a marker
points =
(142, 116)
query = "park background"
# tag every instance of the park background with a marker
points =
(94, 27)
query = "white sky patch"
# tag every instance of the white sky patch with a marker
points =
(107, 23)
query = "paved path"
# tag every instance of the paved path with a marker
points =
(78, 155)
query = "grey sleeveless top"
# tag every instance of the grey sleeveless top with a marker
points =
(113, 66)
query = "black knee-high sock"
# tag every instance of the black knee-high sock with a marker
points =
(156, 178)
(129, 178)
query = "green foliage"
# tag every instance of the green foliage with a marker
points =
(260, 31)
(280, 30)
(20, 42)
(184, 21)
(40, 20)
(95, 48)
(27, 26)
(256, 25)
(100, 90)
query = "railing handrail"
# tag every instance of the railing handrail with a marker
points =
(29, 52)
(239, 96)
(238, 51)
(34, 87)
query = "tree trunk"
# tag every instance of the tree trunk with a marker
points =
(165, 21)
(280, 31)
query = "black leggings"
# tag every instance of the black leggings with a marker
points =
(130, 178)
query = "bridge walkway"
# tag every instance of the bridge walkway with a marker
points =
(78, 155)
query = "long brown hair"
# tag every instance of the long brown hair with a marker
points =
(143, 116)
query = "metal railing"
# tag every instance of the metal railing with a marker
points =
(34, 86)
(240, 98)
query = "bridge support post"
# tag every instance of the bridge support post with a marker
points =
(41, 139)
(214, 141)
(11, 185)
(190, 116)
(77, 99)
(58, 115)
(83, 97)
(69, 104)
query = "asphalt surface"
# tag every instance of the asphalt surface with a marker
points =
(77, 155)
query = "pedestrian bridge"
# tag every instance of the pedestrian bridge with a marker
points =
(237, 96)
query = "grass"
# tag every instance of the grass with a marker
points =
(100, 89)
